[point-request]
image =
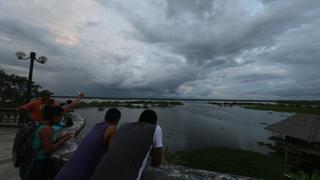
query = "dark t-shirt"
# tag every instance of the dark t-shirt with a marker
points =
(127, 152)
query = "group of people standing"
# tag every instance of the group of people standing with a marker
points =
(107, 152)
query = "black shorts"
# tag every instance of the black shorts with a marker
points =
(38, 170)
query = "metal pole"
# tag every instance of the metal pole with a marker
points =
(32, 58)
(286, 157)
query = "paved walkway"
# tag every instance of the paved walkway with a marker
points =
(165, 172)
(7, 171)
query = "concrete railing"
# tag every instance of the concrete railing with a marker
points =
(9, 117)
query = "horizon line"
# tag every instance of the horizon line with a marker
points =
(191, 99)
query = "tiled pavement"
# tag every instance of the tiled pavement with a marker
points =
(7, 171)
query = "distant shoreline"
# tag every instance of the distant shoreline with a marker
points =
(304, 107)
(190, 99)
(129, 104)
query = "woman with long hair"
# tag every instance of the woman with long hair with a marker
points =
(44, 143)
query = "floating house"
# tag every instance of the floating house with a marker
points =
(299, 138)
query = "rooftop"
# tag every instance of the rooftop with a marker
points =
(305, 127)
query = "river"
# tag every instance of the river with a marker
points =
(198, 124)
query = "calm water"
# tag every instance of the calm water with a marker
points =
(198, 124)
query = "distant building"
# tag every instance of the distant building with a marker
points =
(299, 138)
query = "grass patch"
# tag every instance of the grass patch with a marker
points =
(232, 161)
(305, 176)
(285, 108)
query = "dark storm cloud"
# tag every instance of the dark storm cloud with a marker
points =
(220, 34)
(170, 48)
(300, 90)
(207, 39)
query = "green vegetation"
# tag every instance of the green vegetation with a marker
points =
(299, 102)
(308, 107)
(231, 104)
(13, 88)
(232, 161)
(129, 104)
(293, 108)
(304, 176)
(269, 145)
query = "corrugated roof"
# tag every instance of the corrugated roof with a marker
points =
(301, 126)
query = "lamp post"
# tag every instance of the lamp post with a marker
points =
(22, 56)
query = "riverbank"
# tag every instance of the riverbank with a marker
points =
(303, 107)
(232, 161)
(129, 104)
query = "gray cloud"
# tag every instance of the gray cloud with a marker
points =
(300, 90)
(19, 33)
(92, 23)
(197, 7)
(258, 77)
(173, 48)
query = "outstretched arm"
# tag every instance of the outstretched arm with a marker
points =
(156, 151)
(74, 103)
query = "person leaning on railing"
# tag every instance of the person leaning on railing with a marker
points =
(39, 105)
(86, 157)
(130, 149)
(45, 142)
(36, 106)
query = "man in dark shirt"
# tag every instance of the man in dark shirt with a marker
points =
(129, 150)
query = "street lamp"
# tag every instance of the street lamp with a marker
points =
(22, 56)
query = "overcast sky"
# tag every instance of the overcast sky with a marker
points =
(242, 49)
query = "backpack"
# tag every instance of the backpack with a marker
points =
(22, 151)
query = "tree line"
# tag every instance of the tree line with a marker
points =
(13, 89)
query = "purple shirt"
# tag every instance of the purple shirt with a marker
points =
(84, 160)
